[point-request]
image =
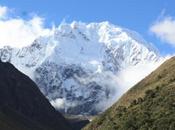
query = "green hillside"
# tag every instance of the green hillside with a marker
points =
(150, 105)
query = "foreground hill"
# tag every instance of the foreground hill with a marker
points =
(23, 106)
(148, 105)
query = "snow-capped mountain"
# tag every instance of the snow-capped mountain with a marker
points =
(75, 66)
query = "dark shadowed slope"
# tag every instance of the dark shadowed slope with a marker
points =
(150, 105)
(23, 106)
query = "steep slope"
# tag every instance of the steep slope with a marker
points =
(23, 106)
(148, 105)
(76, 66)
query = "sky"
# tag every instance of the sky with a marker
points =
(153, 19)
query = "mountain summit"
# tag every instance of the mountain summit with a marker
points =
(75, 67)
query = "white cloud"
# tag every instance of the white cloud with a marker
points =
(165, 29)
(59, 103)
(18, 32)
(62, 103)
(3, 11)
(133, 74)
(130, 76)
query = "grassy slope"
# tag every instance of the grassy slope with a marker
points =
(150, 105)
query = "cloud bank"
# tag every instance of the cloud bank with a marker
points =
(165, 30)
(18, 32)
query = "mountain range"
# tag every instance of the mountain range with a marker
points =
(75, 67)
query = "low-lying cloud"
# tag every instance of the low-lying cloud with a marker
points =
(58, 103)
(127, 78)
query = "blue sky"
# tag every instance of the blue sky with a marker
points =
(137, 15)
